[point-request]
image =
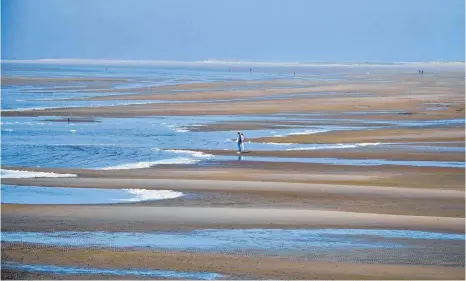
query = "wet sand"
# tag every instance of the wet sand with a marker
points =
(376, 135)
(244, 267)
(385, 153)
(407, 95)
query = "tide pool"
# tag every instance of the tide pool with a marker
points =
(13, 194)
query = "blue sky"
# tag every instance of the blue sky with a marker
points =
(271, 30)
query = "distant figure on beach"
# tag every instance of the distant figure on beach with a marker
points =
(68, 120)
(250, 70)
(229, 69)
(294, 73)
(240, 142)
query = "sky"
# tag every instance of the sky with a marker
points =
(257, 30)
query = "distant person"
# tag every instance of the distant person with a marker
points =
(250, 70)
(229, 69)
(240, 141)
(68, 120)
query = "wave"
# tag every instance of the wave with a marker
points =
(277, 143)
(306, 132)
(145, 194)
(142, 165)
(15, 174)
(29, 108)
(190, 152)
(339, 145)
(177, 128)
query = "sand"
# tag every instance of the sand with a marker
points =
(363, 153)
(236, 266)
(388, 135)
(145, 218)
(404, 95)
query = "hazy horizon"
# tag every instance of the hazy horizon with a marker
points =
(330, 31)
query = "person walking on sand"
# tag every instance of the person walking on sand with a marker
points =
(239, 142)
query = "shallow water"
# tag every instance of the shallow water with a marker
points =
(327, 244)
(138, 142)
(150, 273)
(347, 162)
(60, 195)
(145, 142)
(231, 240)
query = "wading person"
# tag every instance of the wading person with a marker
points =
(239, 142)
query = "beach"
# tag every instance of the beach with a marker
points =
(350, 172)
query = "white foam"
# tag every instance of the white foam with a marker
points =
(142, 165)
(30, 108)
(177, 129)
(306, 132)
(145, 194)
(334, 146)
(191, 152)
(198, 125)
(277, 143)
(15, 174)
(7, 130)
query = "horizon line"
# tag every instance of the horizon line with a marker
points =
(231, 62)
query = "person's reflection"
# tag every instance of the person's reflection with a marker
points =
(240, 158)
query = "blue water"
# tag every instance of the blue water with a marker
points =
(59, 195)
(149, 273)
(30, 141)
(234, 240)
